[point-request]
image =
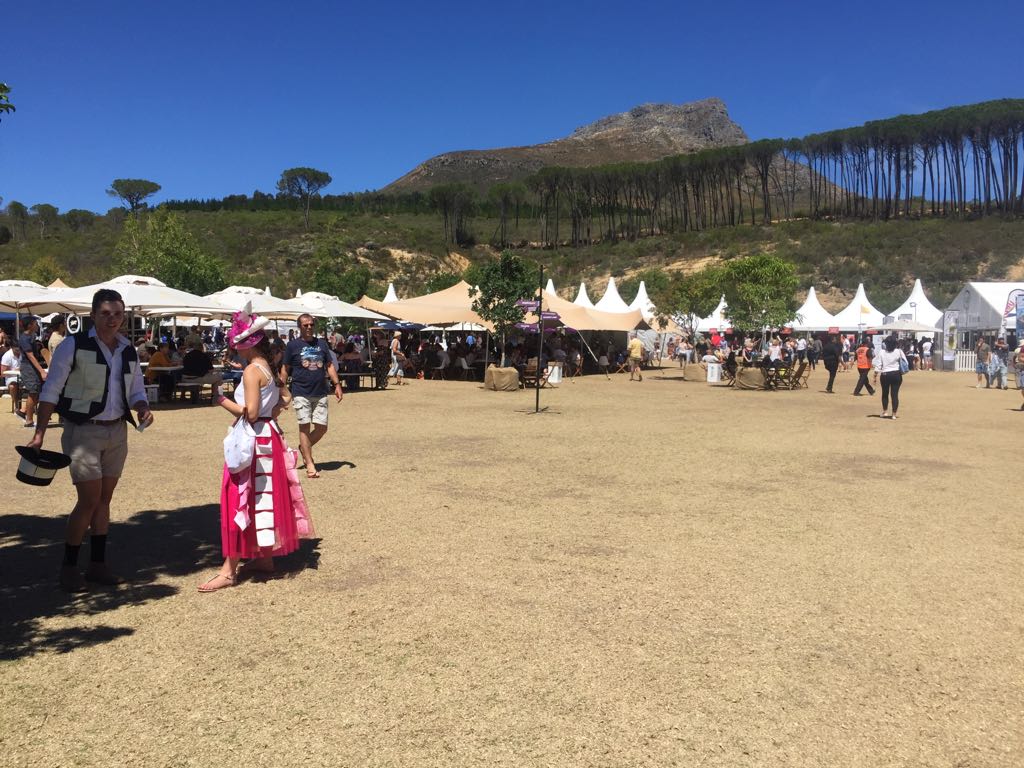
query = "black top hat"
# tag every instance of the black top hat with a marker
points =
(38, 467)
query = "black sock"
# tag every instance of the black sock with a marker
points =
(71, 554)
(98, 548)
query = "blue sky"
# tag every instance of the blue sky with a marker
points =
(217, 98)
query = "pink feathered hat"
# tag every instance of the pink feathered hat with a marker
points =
(246, 328)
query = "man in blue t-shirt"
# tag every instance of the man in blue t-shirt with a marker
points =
(307, 359)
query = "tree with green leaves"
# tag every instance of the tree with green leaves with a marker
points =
(19, 215)
(687, 298)
(45, 216)
(163, 248)
(303, 184)
(760, 291)
(79, 219)
(133, 192)
(5, 100)
(46, 269)
(438, 281)
(500, 285)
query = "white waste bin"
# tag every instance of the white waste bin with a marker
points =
(714, 373)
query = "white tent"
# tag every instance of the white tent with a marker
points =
(812, 316)
(145, 296)
(985, 307)
(611, 301)
(582, 299)
(918, 308)
(550, 286)
(859, 313)
(234, 297)
(643, 302)
(716, 319)
(388, 297)
(325, 305)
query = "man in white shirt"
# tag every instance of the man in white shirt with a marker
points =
(95, 435)
(10, 364)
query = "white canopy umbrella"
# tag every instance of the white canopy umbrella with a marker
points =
(390, 296)
(812, 316)
(908, 326)
(234, 297)
(582, 299)
(325, 305)
(611, 301)
(859, 313)
(41, 301)
(918, 308)
(144, 296)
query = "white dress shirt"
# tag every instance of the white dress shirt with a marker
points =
(60, 368)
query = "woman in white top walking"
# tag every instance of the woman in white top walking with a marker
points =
(889, 364)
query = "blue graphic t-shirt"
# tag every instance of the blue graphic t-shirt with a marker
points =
(308, 366)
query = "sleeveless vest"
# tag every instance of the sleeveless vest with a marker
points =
(862, 358)
(85, 392)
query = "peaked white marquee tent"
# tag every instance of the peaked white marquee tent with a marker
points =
(985, 307)
(390, 296)
(716, 319)
(582, 299)
(611, 301)
(550, 287)
(812, 316)
(918, 308)
(643, 302)
(859, 314)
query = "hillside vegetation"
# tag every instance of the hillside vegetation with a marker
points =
(356, 253)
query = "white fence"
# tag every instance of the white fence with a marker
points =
(965, 360)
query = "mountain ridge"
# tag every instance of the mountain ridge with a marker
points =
(644, 133)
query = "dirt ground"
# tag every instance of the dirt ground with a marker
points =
(661, 573)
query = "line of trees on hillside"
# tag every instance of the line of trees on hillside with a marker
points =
(960, 162)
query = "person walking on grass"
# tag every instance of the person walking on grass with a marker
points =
(1000, 358)
(33, 375)
(864, 357)
(889, 366)
(983, 353)
(263, 512)
(307, 359)
(635, 349)
(831, 354)
(95, 435)
(1018, 361)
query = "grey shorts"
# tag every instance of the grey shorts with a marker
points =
(96, 451)
(1020, 378)
(310, 409)
(31, 384)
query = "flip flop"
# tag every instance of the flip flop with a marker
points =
(208, 588)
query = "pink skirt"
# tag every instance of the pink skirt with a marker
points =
(238, 500)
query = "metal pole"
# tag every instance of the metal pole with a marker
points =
(540, 328)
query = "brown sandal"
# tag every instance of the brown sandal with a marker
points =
(207, 588)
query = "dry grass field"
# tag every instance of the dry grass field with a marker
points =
(648, 574)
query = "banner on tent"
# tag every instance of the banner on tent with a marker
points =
(950, 319)
(1020, 317)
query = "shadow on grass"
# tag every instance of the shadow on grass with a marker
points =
(150, 545)
(331, 466)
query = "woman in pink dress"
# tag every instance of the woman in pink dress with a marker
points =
(262, 510)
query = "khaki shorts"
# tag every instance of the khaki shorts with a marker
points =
(96, 451)
(310, 409)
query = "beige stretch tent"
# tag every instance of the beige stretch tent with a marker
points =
(446, 307)
(583, 319)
